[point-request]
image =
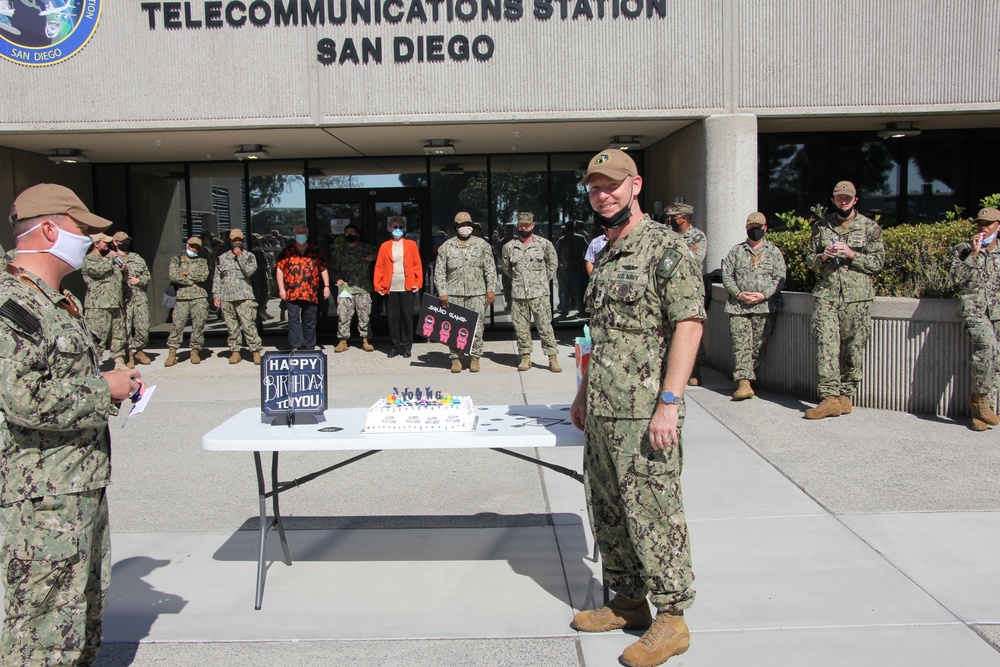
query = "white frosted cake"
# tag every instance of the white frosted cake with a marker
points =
(408, 412)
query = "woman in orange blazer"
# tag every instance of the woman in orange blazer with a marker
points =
(398, 277)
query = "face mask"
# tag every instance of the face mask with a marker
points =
(104, 251)
(191, 253)
(524, 233)
(351, 238)
(989, 239)
(755, 233)
(464, 232)
(845, 214)
(397, 234)
(301, 238)
(238, 244)
(123, 246)
(619, 219)
(70, 248)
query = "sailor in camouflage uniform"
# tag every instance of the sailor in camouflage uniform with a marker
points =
(846, 250)
(465, 275)
(104, 302)
(232, 291)
(679, 216)
(55, 445)
(351, 268)
(531, 263)
(975, 271)
(647, 304)
(190, 273)
(754, 274)
(136, 304)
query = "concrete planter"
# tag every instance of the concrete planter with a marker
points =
(917, 359)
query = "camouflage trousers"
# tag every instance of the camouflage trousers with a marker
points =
(749, 334)
(521, 314)
(842, 330)
(57, 568)
(241, 322)
(359, 304)
(137, 321)
(637, 513)
(108, 328)
(984, 370)
(477, 304)
(195, 310)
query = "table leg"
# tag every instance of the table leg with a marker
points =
(265, 524)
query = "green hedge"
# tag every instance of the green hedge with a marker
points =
(917, 258)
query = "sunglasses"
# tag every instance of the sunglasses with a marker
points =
(403, 228)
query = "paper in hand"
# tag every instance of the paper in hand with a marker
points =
(140, 405)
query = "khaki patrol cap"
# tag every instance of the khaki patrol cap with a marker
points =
(988, 215)
(845, 188)
(235, 234)
(194, 240)
(756, 218)
(120, 236)
(100, 236)
(680, 209)
(51, 199)
(613, 163)
(462, 217)
(525, 218)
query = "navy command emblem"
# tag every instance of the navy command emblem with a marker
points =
(46, 32)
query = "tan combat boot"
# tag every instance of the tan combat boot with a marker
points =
(743, 391)
(621, 613)
(171, 357)
(341, 346)
(235, 358)
(141, 358)
(256, 358)
(981, 409)
(979, 425)
(196, 358)
(828, 407)
(120, 364)
(666, 637)
(525, 362)
(554, 364)
(845, 405)
(474, 365)
(456, 365)
(131, 360)
(366, 346)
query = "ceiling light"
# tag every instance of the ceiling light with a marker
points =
(452, 170)
(899, 130)
(438, 147)
(251, 152)
(625, 142)
(68, 156)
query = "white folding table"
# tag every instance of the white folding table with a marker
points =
(498, 427)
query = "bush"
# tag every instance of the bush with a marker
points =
(917, 259)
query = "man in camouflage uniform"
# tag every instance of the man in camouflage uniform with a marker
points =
(572, 274)
(466, 276)
(975, 270)
(351, 267)
(754, 274)
(55, 444)
(104, 302)
(530, 262)
(679, 216)
(846, 250)
(647, 304)
(136, 303)
(232, 292)
(189, 272)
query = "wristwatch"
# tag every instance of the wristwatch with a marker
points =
(669, 398)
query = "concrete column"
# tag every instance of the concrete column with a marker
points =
(730, 183)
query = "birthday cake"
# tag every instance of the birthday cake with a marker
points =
(416, 411)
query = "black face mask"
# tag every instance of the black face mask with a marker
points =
(755, 233)
(350, 238)
(238, 244)
(124, 246)
(676, 226)
(525, 233)
(104, 251)
(845, 214)
(619, 219)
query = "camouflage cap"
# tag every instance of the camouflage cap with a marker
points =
(613, 163)
(845, 188)
(194, 240)
(525, 218)
(235, 234)
(100, 236)
(685, 210)
(462, 217)
(988, 214)
(51, 199)
(756, 218)
(120, 236)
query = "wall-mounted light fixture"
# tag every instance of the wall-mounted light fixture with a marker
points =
(68, 156)
(438, 147)
(452, 170)
(625, 142)
(898, 130)
(251, 152)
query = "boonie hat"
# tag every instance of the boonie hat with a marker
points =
(613, 163)
(989, 214)
(51, 199)
(845, 188)
(680, 209)
(120, 236)
(235, 234)
(525, 218)
(756, 218)
(194, 240)
(462, 217)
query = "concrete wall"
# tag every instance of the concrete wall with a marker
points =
(917, 359)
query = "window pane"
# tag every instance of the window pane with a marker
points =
(346, 174)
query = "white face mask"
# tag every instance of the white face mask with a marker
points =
(69, 247)
(464, 232)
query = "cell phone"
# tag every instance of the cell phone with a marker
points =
(120, 261)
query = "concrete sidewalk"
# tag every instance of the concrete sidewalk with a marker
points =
(868, 539)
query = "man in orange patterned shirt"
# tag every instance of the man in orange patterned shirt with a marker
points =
(302, 275)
